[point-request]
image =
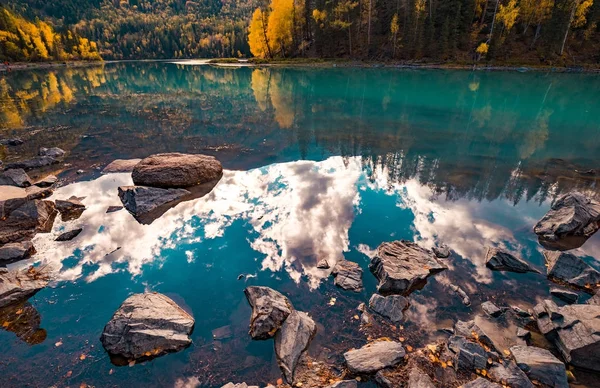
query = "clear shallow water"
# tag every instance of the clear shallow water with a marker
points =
(320, 163)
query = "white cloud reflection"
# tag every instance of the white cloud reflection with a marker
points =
(299, 213)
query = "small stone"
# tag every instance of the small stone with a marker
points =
(441, 251)
(469, 355)
(48, 181)
(11, 252)
(80, 172)
(222, 333)
(70, 209)
(499, 260)
(291, 340)
(15, 177)
(53, 152)
(348, 275)
(390, 307)
(480, 382)
(12, 142)
(492, 310)
(463, 295)
(509, 374)
(240, 276)
(323, 264)
(520, 312)
(70, 235)
(564, 295)
(569, 268)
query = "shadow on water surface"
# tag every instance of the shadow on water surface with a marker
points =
(320, 164)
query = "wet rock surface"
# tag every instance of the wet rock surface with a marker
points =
(20, 284)
(402, 266)
(53, 152)
(147, 325)
(148, 203)
(467, 355)
(391, 306)
(574, 330)
(470, 330)
(348, 275)
(566, 267)
(70, 235)
(499, 260)
(15, 177)
(509, 374)
(9, 253)
(441, 251)
(121, 165)
(540, 365)
(564, 295)
(291, 340)
(374, 356)
(175, 170)
(269, 310)
(69, 209)
(571, 215)
(26, 220)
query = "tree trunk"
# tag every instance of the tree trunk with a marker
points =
(537, 34)
(562, 47)
(493, 21)
(369, 28)
(265, 34)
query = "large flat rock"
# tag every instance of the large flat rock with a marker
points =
(348, 275)
(26, 220)
(291, 340)
(175, 170)
(18, 285)
(15, 177)
(374, 356)
(269, 310)
(539, 364)
(566, 267)
(403, 266)
(148, 203)
(11, 252)
(147, 325)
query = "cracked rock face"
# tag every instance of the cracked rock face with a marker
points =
(143, 202)
(19, 285)
(390, 307)
(509, 374)
(574, 329)
(9, 253)
(539, 364)
(348, 275)
(374, 356)
(569, 268)
(571, 215)
(269, 310)
(403, 266)
(291, 340)
(15, 177)
(147, 325)
(26, 220)
(499, 260)
(469, 355)
(175, 170)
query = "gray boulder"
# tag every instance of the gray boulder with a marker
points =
(323, 264)
(70, 209)
(27, 220)
(147, 203)
(344, 384)
(500, 260)
(509, 374)
(390, 307)
(348, 275)
(19, 285)
(12, 142)
(539, 364)
(574, 330)
(492, 310)
(15, 177)
(147, 325)
(53, 152)
(468, 355)
(30, 164)
(70, 235)
(291, 340)
(269, 310)
(175, 170)
(564, 295)
(571, 215)
(403, 266)
(419, 379)
(569, 268)
(374, 356)
(121, 165)
(480, 382)
(11, 252)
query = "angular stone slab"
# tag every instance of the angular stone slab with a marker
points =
(374, 356)
(539, 364)
(175, 170)
(391, 307)
(269, 310)
(569, 268)
(499, 260)
(348, 275)
(291, 340)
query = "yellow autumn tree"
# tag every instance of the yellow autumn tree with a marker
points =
(507, 14)
(281, 26)
(257, 35)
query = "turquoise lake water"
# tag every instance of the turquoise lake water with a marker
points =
(319, 164)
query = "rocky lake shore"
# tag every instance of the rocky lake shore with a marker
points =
(551, 341)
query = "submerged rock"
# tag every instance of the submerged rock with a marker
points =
(572, 215)
(70, 235)
(419, 379)
(323, 264)
(348, 275)
(492, 310)
(175, 170)
(564, 295)
(344, 384)
(441, 251)
(30, 164)
(11, 252)
(26, 220)
(112, 209)
(374, 356)
(539, 364)
(500, 260)
(47, 181)
(121, 165)
(509, 374)
(19, 285)
(390, 307)
(569, 268)
(269, 310)
(147, 325)
(70, 209)
(574, 330)
(463, 295)
(145, 203)
(53, 152)
(15, 177)
(402, 266)
(291, 340)
(468, 355)
(480, 382)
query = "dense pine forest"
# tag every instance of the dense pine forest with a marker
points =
(532, 32)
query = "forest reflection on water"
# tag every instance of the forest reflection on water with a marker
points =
(319, 163)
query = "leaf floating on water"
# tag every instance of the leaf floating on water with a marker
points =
(131, 363)
(449, 362)
(356, 317)
(19, 312)
(6, 324)
(110, 372)
(332, 301)
(69, 374)
(59, 343)
(280, 381)
(82, 357)
(409, 348)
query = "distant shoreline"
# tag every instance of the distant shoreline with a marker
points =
(312, 62)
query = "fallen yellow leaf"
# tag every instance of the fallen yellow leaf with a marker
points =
(279, 381)
(59, 343)
(82, 357)
(19, 312)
